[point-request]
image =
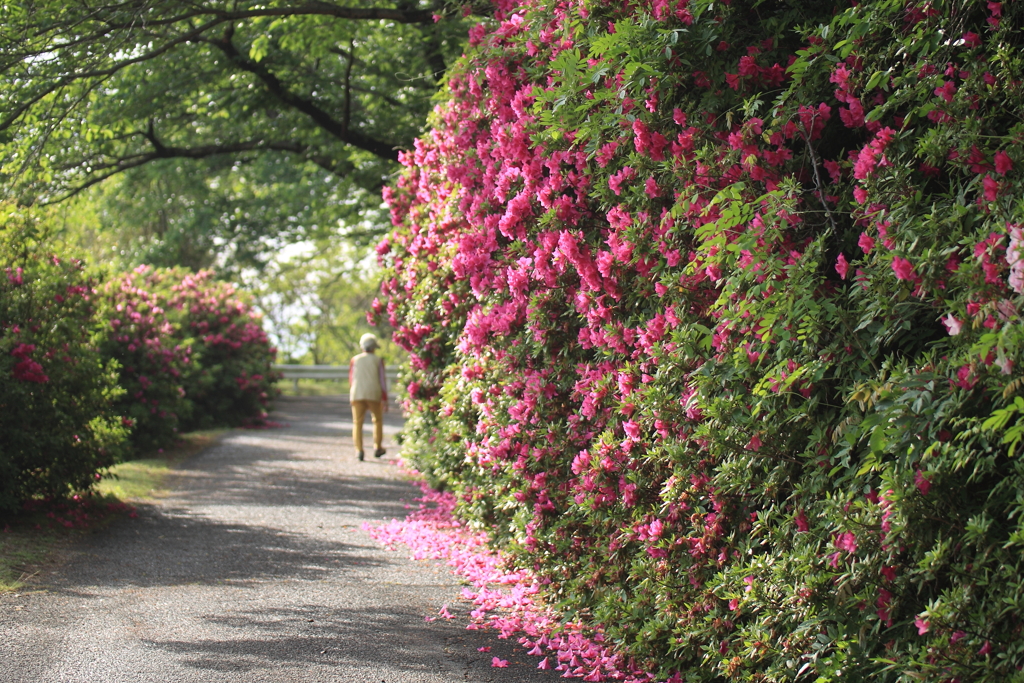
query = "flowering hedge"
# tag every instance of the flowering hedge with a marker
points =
(192, 351)
(232, 380)
(713, 311)
(150, 356)
(58, 423)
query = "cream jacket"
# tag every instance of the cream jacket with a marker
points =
(367, 379)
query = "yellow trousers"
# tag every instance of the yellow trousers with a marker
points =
(376, 409)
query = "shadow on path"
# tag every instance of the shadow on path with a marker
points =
(255, 568)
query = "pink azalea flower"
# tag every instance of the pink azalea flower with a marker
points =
(842, 266)
(922, 483)
(1015, 258)
(985, 649)
(651, 188)
(544, 664)
(485, 648)
(946, 91)
(1003, 163)
(499, 663)
(847, 541)
(953, 326)
(866, 242)
(990, 187)
(922, 625)
(801, 522)
(903, 268)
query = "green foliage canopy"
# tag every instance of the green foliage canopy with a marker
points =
(92, 89)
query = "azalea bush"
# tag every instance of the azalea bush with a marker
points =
(231, 381)
(713, 313)
(153, 360)
(192, 350)
(59, 423)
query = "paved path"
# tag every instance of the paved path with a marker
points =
(255, 568)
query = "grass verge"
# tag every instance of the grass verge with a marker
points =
(34, 538)
(145, 478)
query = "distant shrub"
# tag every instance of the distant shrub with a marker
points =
(152, 359)
(231, 379)
(59, 426)
(193, 352)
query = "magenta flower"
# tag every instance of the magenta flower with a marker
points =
(922, 625)
(1003, 163)
(903, 268)
(499, 663)
(866, 242)
(801, 522)
(847, 541)
(651, 188)
(883, 603)
(922, 483)
(990, 187)
(946, 91)
(617, 179)
(15, 276)
(29, 371)
(842, 266)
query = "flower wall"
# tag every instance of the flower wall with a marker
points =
(713, 314)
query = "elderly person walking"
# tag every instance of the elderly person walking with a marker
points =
(368, 391)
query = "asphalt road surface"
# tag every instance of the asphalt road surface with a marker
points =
(255, 568)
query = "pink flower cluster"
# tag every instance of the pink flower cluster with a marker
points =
(505, 601)
(26, 369)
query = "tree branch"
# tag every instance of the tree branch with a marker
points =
(348, 86)
(162, 151)
(324, 120)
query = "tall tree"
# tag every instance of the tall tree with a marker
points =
(203, 88)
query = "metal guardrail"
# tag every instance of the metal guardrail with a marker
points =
(335, 372)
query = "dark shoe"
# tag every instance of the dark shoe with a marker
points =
(379, 452)
(361, 458)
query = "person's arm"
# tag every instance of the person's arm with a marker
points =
(383, 376)
(351, 369)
